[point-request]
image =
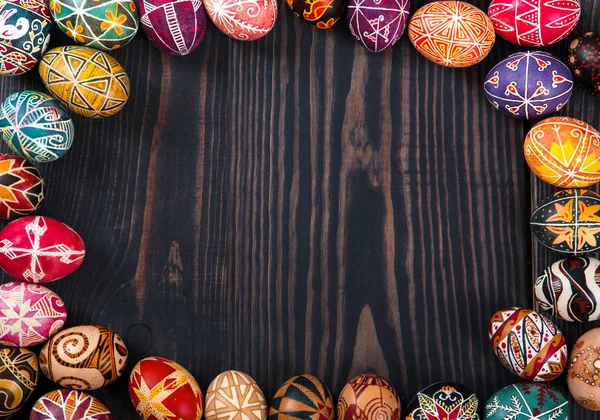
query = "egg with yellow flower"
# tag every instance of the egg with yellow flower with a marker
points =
(100, 24)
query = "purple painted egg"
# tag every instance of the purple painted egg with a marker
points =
(175, 26)
(29, 314)
(529, 85)
(377, 24)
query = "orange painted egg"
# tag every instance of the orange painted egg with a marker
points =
(528, 344)
(564, 152)
(583, 376)
(368, 397)
(452, 33)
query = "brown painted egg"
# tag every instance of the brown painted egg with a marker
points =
(161, 389)
(84, 358)
(322, 14)
(234, 395)
(64, 404)
(368, 397)
(583, 376)
(87, 81)
(452, 33)
(583, 58)
(528, 344)
(242, 20)
(302, 397)
(19, 374)
(564, 152)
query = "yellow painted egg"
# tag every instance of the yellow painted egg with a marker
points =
(87, 81)
(234, 395)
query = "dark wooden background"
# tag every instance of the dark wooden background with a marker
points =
(298, 204)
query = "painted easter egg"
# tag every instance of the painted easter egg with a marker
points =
(100, 24)
(443, 401)
(564, 152)
(245, 21)
(452, 33)
(534, 23)
(527, 400)
(29, 314)
(36, 126)
(84, 358)
(174, 26)
(583, 59)
(377, 24)
(368, 397)
(21, 187)
(235, 395)
(39, 249)
(568, 222)
(24, 34)
(570, 289)
(583, 375)
(87, 81)
(528, 344)
(322, 14)
(64, 404)
(302, 397)
(161, 389)
(19, 373)
(530, 84)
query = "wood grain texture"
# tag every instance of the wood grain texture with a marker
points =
(300, 205)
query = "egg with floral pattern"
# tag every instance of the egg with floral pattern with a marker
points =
(322, 14)
(64, 404)
(242, 20)
(529, 85)
(443, 401)
(527, 400)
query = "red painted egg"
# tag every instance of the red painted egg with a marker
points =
(242, 20)
(161, 389)
(534, 23)
(40, 249)
(21, 187)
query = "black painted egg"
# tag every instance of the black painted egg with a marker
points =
(322, 14)
(443, 401)
(583, 59)
(19, 372)
(568, 222)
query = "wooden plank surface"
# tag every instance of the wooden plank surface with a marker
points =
(297, 204)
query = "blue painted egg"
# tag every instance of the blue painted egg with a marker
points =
(529, 85)
(36, 126)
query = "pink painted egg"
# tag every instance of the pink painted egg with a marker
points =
(377, 24)
(534, 23)
(40, 249)
(174, 26)
(243, 20)
(29, 314)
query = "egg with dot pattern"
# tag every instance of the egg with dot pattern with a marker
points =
(583, 58)
(583, 375)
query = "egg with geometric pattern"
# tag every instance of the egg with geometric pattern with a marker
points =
(367, 397)
(65, 404)
(161, 389)
(528, 344)
(21, 187)
(235, 395)
(568, 222)
(378, 24)
(36, 126)
(443, 401)
(528, 85)
(19, 373)
(564, 152)
(302, 397)
(86, 81)
(582, 58)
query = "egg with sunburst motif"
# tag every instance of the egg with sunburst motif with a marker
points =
(568, 222)
(443, 401)
(302, 397)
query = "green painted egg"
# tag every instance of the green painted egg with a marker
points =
(36, 126)
(527, 400)
(101, 24)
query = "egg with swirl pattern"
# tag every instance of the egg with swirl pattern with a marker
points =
(367, 397)
(19, 373)
(528, 344)
(570, 289)
(85, 357)
(322, 14)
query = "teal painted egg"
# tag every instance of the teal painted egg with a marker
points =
(25, 27)
(527, 400)
(36, 126)
(100, 24)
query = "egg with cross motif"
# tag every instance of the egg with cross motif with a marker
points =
(529, 85)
